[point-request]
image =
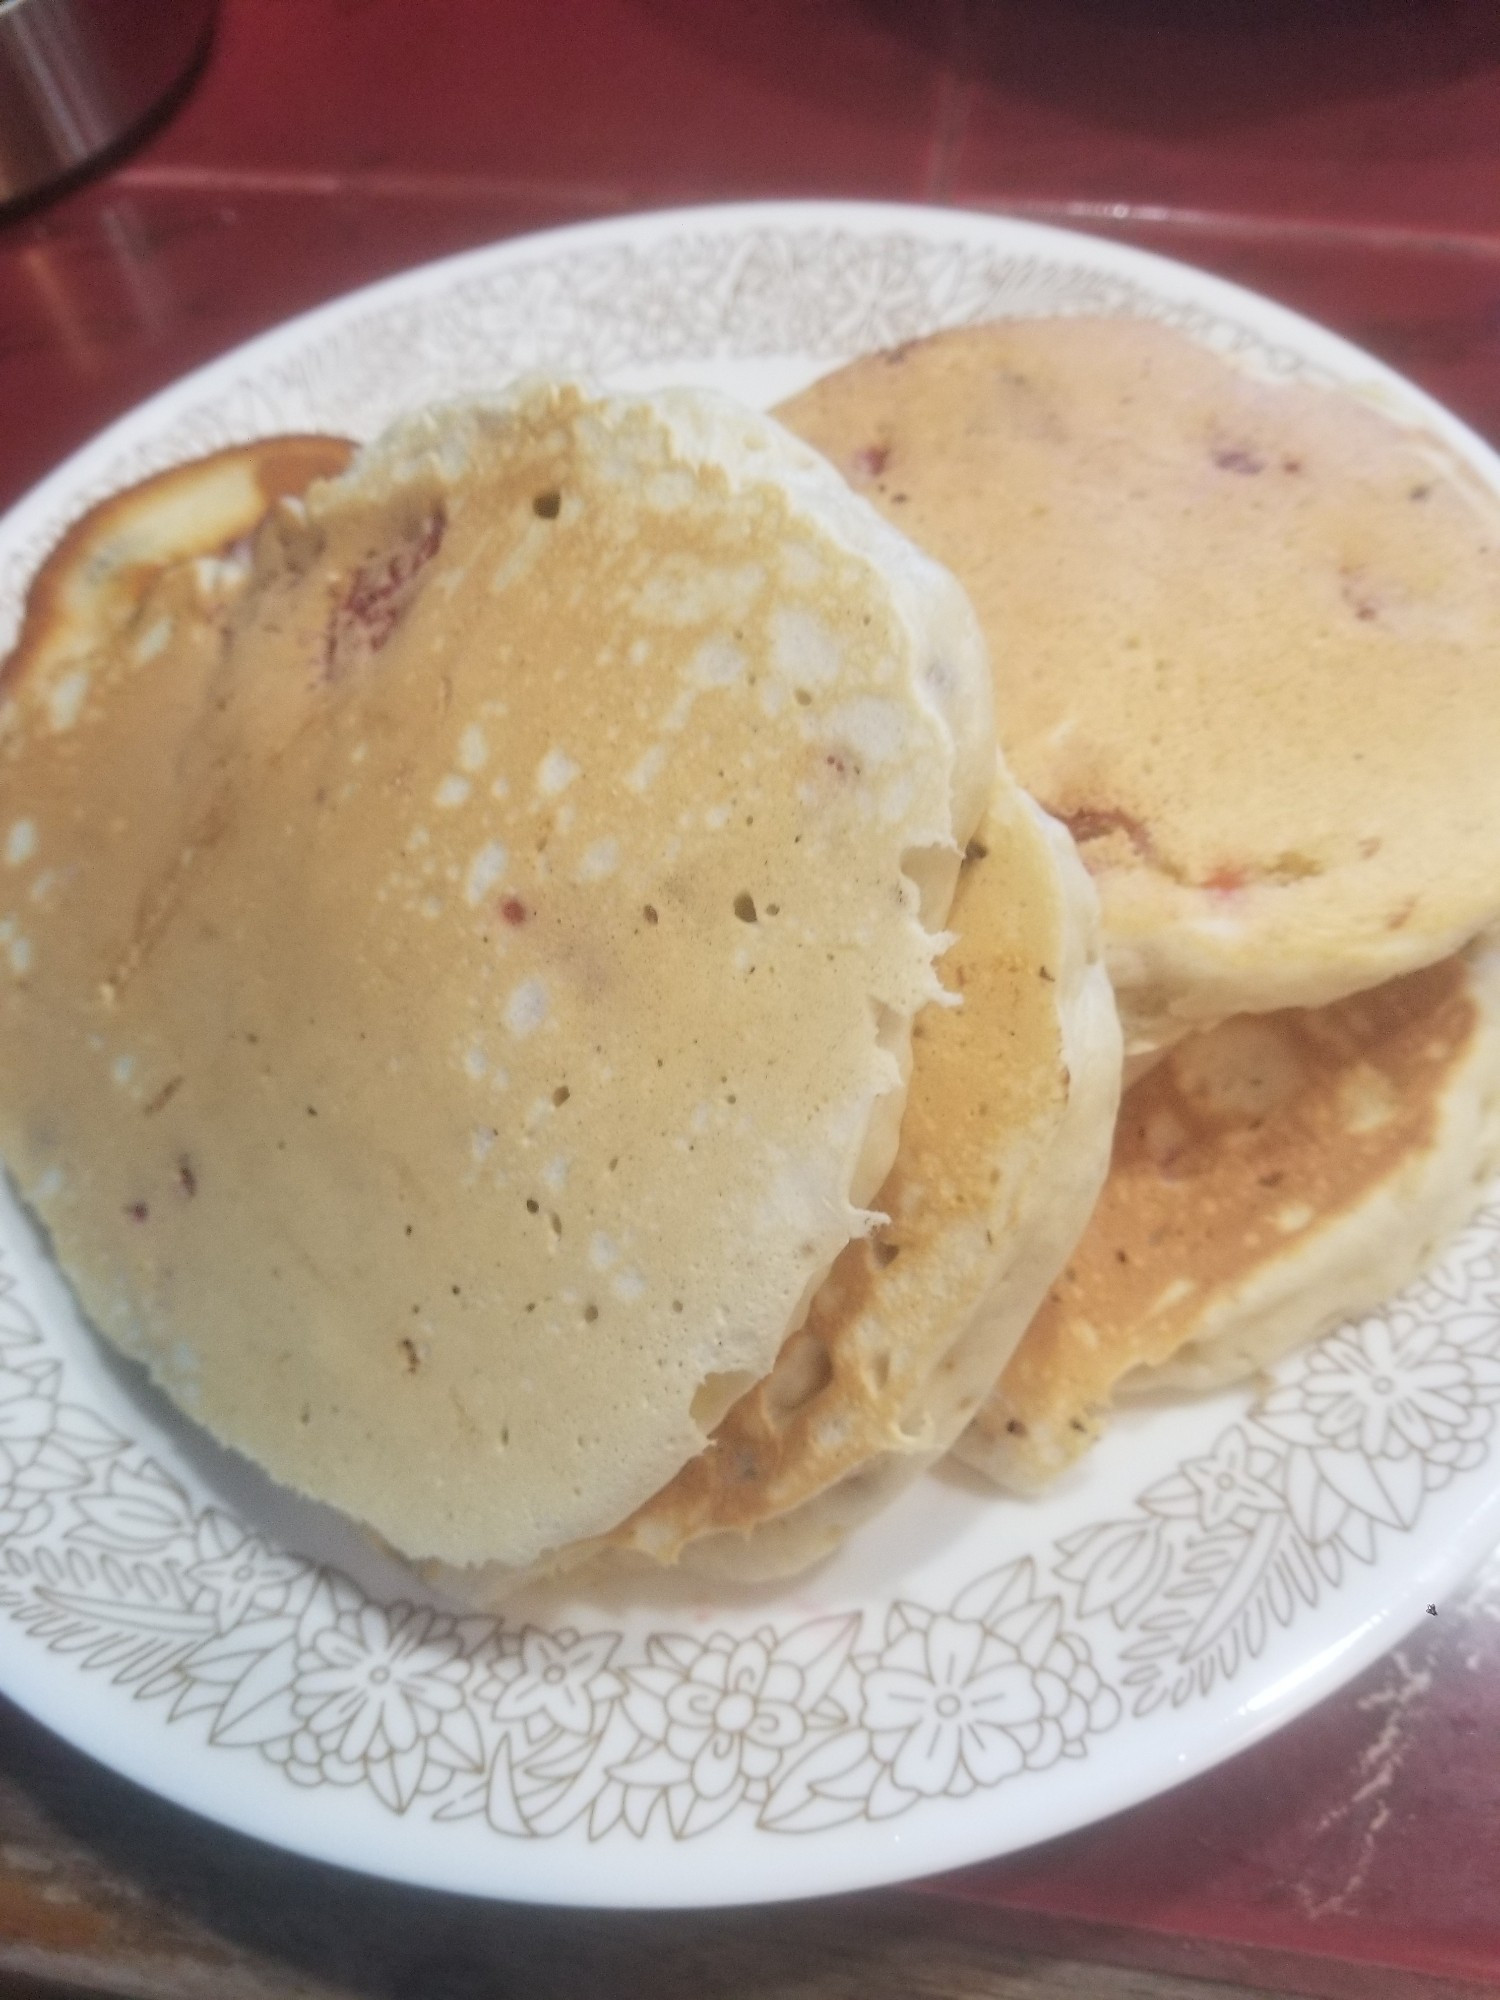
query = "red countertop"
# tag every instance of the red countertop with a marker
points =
(1354, 1855)
(1340, 155)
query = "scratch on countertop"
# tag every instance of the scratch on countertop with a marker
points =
(1377, 1766)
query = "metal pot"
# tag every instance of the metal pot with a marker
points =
(77, 76)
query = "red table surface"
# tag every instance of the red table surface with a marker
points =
(1342, 157)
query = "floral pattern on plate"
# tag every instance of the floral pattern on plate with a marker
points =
(800, 1726)
(1359, 1430)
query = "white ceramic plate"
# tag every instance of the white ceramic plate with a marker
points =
(1212, 1570)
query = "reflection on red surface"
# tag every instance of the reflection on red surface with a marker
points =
(1379, 112)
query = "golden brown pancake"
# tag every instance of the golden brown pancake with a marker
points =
(1003, 1149)
(93, 583)
(1270, 1178)
(460, 948)
(1246, 642)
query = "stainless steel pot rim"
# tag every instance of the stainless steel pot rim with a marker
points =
(80, 77)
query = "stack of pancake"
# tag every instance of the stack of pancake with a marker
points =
(1245, 637)
(534, 1005)
(474, 914)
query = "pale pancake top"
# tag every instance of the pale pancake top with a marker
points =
(1269, 1177)
(1004, 1145)
(1246, 639)
(460, 955)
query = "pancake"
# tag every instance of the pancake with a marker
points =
(1271, 1178)
(1003, 1149)
(92, 585)
(461, 947)
(1245, 636)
